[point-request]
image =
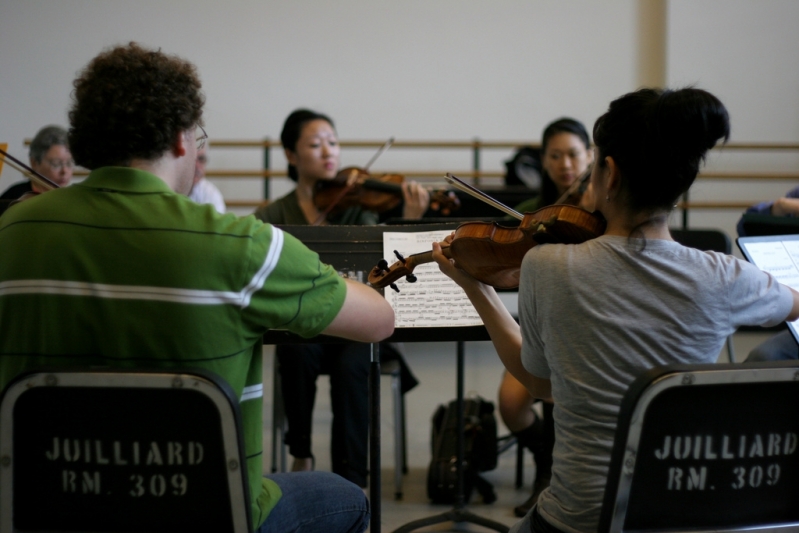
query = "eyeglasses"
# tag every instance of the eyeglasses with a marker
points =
(201, 139)
(58, 164)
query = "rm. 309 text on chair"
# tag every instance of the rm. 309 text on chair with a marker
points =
(105, 450)
(706, 448)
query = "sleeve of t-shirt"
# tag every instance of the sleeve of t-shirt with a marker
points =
(292, 289)
(533, 358)
(756, 297)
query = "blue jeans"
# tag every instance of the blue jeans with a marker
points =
(317, 502)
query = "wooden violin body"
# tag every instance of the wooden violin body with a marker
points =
(493, 253)
(354, 186)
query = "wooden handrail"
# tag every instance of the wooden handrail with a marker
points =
(268, 143)
(475, 146)
(681, 205)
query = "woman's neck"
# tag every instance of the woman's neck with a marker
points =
(305, 191)
(305, 188)
(650, 225)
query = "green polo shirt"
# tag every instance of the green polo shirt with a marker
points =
(121, 271)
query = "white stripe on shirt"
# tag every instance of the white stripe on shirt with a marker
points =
(252, 392)
(159, 294)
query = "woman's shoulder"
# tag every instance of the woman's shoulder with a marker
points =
(285, 210)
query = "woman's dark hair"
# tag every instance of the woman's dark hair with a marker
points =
(549, 192)
(132, 103)
(658, 138)
(292, 129)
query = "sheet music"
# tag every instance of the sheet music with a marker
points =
(780, 258)
(434, 300)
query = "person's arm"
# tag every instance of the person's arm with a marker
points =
(365, 316)
(785, 206)
(502, 328)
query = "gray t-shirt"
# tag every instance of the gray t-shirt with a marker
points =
(595, 316)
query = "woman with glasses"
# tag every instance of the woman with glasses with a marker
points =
(49, 156)
(595, 316)
(311, 146)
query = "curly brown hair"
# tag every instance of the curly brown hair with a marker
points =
(132, 103)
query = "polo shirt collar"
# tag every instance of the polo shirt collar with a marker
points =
(125, 179)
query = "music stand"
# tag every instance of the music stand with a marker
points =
(354, 249)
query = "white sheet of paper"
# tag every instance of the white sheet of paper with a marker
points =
(778, 258)
(434, 300)
(781, 260)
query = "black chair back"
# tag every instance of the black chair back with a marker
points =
(709, 240)
(105, 450)
(706, 447)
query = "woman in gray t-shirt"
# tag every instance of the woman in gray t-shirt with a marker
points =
(594, 316)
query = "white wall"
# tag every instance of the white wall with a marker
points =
(416, 70)
(744, 51)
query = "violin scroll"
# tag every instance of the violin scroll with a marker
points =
(384, 276)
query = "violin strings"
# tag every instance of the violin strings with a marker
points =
(575, 186)
(480, 195)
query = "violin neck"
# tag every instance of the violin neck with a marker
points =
(382, 186)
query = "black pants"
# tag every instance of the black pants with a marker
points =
(348, 367)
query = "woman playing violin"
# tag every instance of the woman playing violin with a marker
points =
(594, 316)
(565, 158)
(312, 150)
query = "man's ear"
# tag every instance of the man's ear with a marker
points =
(181, 144)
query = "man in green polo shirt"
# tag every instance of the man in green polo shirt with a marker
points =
(123, 270)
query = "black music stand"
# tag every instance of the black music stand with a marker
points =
(353, 250)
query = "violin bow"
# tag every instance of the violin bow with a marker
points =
(380, 151)
(40, 180)
(480, 195)
(322, 216)
(574, 187)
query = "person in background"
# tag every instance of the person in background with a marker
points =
(202, 190)
(312, 150)
(49, 155)
(594, 316)
(149, 278)
(782, 346)
(567, 156)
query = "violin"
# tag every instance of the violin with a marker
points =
(354, 186)
(492, 253)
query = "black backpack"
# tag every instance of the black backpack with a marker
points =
(480, 451)
(524, 168)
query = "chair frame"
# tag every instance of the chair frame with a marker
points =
(211, 386)
(632, 416)
(280, 424)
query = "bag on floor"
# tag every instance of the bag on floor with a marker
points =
(480, 451)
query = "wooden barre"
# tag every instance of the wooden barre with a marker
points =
(681, 205)
(267, 143)
(439, 175)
